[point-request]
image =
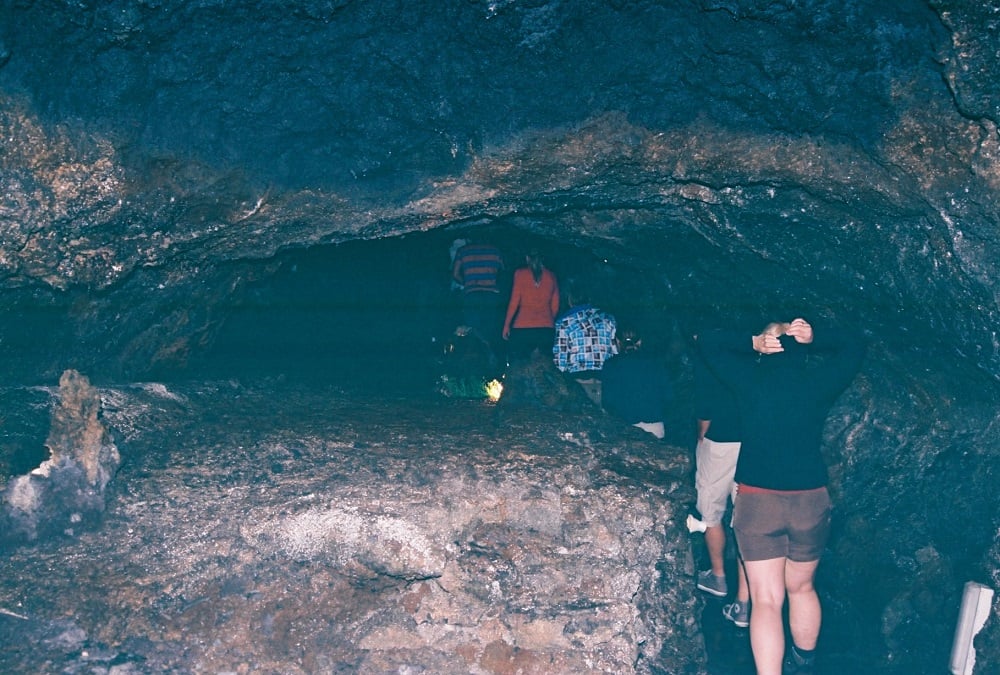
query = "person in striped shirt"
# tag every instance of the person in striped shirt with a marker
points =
(477, 269)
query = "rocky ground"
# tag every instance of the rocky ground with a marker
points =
(274, 528)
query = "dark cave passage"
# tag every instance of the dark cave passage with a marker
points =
(374, 316)
(380, 314)
(360, 312)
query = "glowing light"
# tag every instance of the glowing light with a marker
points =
(494, 389)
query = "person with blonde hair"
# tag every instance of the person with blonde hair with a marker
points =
(534, 302)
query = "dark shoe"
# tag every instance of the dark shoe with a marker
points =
(712, 584)
(738, 612)
(796, 665)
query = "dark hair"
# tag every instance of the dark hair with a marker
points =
(629, 338)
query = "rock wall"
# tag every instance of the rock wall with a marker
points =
(721, 158)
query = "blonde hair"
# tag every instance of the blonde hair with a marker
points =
(534, 260)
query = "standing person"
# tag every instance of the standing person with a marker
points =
(785, 385)
(716, 453)
(456, 246)
(635, 385)
(531, 311)
(477, 270)
(585, 337)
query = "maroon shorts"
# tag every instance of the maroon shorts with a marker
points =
(774, 524)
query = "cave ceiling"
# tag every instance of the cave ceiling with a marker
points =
(178, 175)
(160, 158)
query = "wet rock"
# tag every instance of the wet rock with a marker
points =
(710, 159)
(536, 383)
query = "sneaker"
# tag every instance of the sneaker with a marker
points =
(794, 664)
(712, 584)
(738, 612)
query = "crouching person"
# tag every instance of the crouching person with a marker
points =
(635, 385)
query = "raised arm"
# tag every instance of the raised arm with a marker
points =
(731, 353)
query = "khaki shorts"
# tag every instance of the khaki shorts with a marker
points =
(715, 466)
(793, 525)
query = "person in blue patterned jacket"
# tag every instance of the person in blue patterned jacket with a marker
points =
(585, 337)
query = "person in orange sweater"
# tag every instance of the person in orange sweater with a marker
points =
(531, 311)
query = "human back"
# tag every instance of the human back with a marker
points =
(477, 267)
(784, 398)
(785, 382)
(635, 382)
(586, 336)
(531, 310)
(534, 295)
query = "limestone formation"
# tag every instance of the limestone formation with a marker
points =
(67, 492)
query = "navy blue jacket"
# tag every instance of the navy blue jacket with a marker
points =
(636, 387)
(714, 401)
(784, 400)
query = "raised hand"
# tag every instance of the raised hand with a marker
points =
(800, 330)
(767, 343)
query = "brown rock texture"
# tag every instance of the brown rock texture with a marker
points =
(309, 532)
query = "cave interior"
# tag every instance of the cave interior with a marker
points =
(249, 191)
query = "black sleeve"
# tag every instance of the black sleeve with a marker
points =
(842, 352)
(729, 354)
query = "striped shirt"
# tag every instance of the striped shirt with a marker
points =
(477, 267)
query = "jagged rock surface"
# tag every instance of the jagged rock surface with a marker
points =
(718, 157)
(66, 493)
(366, 538)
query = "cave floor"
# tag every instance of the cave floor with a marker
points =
(170, 560)
(160, 565)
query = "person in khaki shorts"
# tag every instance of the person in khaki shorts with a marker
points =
(715, 466)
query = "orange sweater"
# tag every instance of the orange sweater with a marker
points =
(532, 305)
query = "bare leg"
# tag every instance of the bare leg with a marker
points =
(804, 612)
(767, 628)
(715, 542)
(742, 589)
